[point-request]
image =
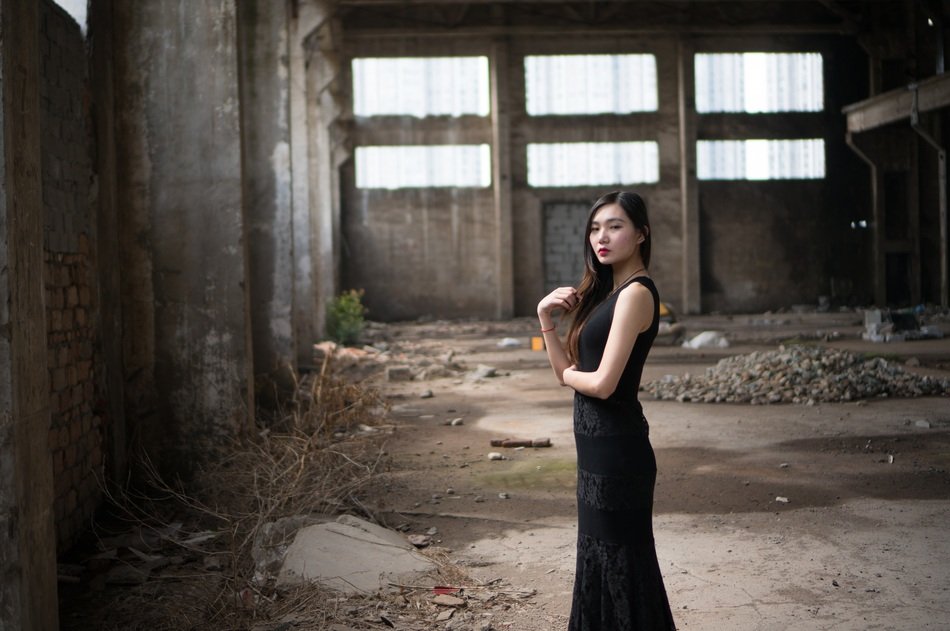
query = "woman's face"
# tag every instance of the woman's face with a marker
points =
(613, 236)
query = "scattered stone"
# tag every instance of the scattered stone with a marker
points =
(432, 531)
(923, 424)
(482, 372)
(707, 339)
(448, 601)
(509, 342)
(783, 500)
(455, 422)
(450, 491)
(420, 541)
(426, 394)
(503, 496)
(351, 555)
(494, 455)
(444, 615)
(214, 562)
(398, 373)
(479, 499)
(798, 374)
(784, 465)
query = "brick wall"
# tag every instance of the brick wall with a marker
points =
(76, 430)
(564, 244)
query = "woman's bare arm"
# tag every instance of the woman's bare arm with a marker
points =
(564, 298)
(633, 314)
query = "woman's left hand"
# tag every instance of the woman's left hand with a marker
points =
(567, 373)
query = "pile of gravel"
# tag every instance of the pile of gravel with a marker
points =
(799, 374)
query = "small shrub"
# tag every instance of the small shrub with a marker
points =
(345, 317)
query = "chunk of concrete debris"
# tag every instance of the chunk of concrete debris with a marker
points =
(781, 499)
(448, 601)
(398, 373)
(426, 394)
(444, 615)
(707, 339)
(420, 541)
(351, 555)
(494, 455)
(509, 342)
(482, 372)
(923, 424)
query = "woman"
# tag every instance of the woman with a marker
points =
(617, 585)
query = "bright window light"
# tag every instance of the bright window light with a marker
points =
(77, 9)
(590, 84)
(759, 82)
(423, 166)
(420, 86)
(593, 163)
(760, 159)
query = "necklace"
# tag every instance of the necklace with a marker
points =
(619, 285)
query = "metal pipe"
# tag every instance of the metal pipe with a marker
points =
(942, 183)
(877, 225)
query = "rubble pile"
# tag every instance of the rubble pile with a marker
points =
(798, 374)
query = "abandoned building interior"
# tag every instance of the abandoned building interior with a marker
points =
(185, 185)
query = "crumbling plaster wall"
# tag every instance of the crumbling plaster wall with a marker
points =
(185, 300)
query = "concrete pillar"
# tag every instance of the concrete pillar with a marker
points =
(689, 187)
(27, 535)
(305, 18)
(106, 210)
(322, 49)
(501, 175)
(265, 109)
(186, 323)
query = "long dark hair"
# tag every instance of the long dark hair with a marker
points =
(598, 279)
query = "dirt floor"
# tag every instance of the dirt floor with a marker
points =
(862, 541)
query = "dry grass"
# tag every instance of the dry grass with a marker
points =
(313, 461)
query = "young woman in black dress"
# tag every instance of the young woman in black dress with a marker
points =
(617, 585)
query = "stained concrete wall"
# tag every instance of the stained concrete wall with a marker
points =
(716, 244)
(265, 108)
(27, 536)
(186, 324)
(773, 244)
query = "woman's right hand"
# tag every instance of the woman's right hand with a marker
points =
(561, 298)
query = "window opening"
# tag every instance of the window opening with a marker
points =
(593, 163)
(590, 84)
(759, 82)
(420, 86)
(760, 159)
(418, 166)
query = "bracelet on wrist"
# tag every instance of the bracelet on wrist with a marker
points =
(543, 330)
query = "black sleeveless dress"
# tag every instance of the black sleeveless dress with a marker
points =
(618, 585)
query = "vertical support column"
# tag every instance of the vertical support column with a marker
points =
(689, 187)
(501, 175)
(265, 134)
(27, 535)
(305, 18)
(107, 237)
(183, 247)
(323, 59)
